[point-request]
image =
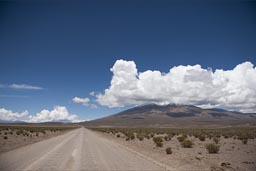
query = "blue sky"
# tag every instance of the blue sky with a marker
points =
(68, 47)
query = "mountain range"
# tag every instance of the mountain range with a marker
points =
(173, 115)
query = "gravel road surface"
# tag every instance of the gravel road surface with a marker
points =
(79, 149)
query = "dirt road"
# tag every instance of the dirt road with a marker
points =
(80, 149)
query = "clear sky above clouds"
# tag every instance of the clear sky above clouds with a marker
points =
(55, 56)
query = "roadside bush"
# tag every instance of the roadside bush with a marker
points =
(140, 137)
(226, 136)
(201, 137)
(159, 144)
(147, 136)
(244, 141)
(167, 137)
(216, 140)
(212, 148)
(158, 141)
(187, 144)
(181, 138)
(5, 137)
(118, 135)
(168, 150)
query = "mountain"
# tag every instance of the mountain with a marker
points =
(4, 121)
(173, 115)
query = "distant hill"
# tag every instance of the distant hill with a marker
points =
(4, 121)
(172, 115)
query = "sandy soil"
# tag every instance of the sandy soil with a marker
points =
(80, 149)
(233, 154)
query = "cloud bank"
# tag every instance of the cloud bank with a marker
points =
(231, 89)
(59, 113)
(8, 115)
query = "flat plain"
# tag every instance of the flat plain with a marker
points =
(215, 149)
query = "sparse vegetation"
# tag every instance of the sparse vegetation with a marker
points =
(168, 150)
(161, 136)
(187, 144)
(200, 133)
(201, 137)
(216, 140)
(140, 137)
(212, 148)
(245, 140)
(158, 141)
(181, 138)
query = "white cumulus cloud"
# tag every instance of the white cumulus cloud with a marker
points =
(8, 115)
(59, 113)
(229, 89)
(83, 101)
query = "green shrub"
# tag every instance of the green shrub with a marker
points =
(201, 137)
(140, 137)
(159, 144)
(187, 144)
(168, 150)
(158, 141)
(212, 148)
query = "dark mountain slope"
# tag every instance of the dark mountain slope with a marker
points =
(173, 116)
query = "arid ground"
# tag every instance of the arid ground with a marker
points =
(15, 136)
(236, 147)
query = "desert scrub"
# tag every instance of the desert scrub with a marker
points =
(158, 141)
(130, 136)
(168, 137)
(212, 148)
(140, 137)
(118, 135)
(216, 140)
(182, 138)
(201, 137)
(244, 141)
(187, 144)
(168, 150)
(5, 137)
